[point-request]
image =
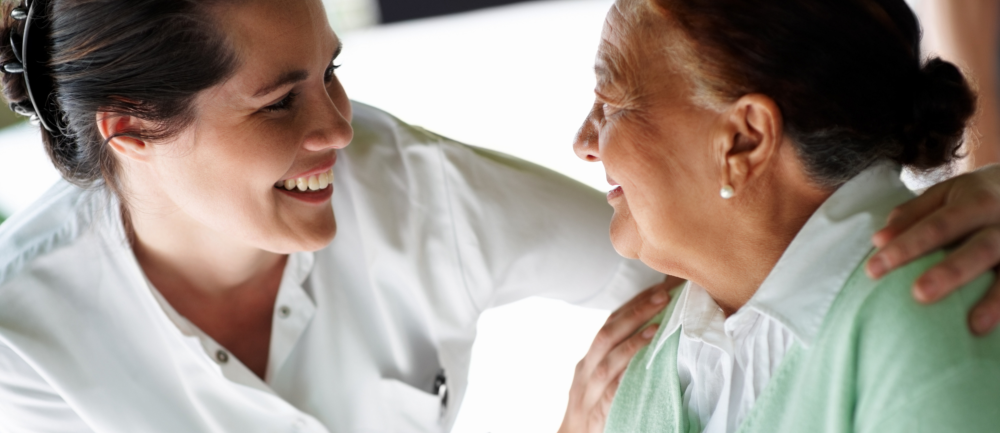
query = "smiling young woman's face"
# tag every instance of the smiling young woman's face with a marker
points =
(265, 134)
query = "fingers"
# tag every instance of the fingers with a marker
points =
(627, 319)
(910, 212)
(977, 255)
(609, 371)
(617, 361)
(986, 314)
(933, 232)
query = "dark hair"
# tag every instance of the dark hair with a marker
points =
(846, 74)
(141, 58)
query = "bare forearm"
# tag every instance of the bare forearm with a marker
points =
(967, 32)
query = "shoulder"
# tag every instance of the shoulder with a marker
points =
(910, 357)
(889, 307)
(57, 220)
(386, 141)
(377, 133)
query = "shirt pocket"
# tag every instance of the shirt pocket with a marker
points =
(409, 409)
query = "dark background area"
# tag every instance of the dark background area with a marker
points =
(402, 10)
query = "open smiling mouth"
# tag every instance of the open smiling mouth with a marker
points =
(316, 182)
(314, 189)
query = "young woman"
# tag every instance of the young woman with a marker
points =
(756, 148)
(190, 274)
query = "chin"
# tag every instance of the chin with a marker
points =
(625, 236)
(308, 236)
(319, 236)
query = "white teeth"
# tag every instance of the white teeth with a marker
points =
(315, 182)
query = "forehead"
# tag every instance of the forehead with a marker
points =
(627, 40)
(272, 37)
(639, 50)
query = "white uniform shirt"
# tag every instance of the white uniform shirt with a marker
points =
(724, 364)
(430, 234)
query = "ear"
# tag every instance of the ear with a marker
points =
(753, 135)
(120, 132)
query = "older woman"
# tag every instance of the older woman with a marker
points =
(756, 148)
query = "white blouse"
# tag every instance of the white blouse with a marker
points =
(724, 364)
(371, 334)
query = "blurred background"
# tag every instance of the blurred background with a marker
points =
(514, 76)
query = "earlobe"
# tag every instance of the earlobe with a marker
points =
(120, 131)
(754, 133)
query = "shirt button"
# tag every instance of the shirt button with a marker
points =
(221, 356)
(284, 311)
(299, 424)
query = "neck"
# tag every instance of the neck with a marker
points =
(759, 227)
(180, 255)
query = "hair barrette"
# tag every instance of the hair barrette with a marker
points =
(19, 13)
(30, 49)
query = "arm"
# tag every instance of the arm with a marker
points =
(524, 230)
(28, 403)
(967, 33)
(963, 210)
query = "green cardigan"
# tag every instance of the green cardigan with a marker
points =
(880, 363)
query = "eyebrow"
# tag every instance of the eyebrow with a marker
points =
(607, 68)
(285, 79)
(292, 77)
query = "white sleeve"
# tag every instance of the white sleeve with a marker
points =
(523, 230)
(29, 404)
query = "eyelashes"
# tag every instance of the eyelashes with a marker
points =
(328, 75)
(284, 104)
(287, 102)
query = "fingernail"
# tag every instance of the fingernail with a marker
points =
(649, 332)
(982, 321)
(927, 289)
(876, 266)
(659, 297)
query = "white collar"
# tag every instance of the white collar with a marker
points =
(800, 289)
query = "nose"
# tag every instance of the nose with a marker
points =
(586, 143)
(330, 127)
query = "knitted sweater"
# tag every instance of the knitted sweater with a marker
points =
(880, 363)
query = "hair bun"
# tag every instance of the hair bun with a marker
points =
(943, 103)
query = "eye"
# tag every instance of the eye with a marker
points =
(607, 110)
(328, 75)
(282, 105)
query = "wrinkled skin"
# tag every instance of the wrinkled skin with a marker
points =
(964, 211)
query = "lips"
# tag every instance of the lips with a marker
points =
(615, 193)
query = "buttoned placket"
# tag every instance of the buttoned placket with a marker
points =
(293, 311)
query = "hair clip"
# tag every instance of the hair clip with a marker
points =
(13, 68)
(16, 41)
(19, 13)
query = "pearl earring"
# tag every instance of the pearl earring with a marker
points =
(727, 192)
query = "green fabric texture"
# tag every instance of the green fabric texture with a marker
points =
(880, 363)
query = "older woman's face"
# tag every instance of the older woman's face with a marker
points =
(654, 142)
(280, 118)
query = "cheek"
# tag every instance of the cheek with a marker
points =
(224, 178)
(646, 165)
